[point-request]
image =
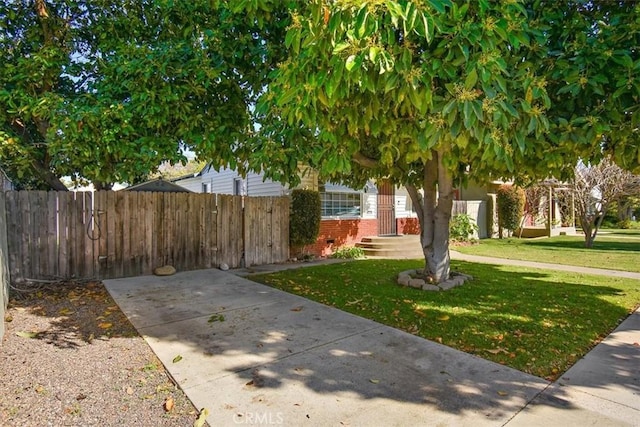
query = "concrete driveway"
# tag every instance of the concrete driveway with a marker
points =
(253, 355)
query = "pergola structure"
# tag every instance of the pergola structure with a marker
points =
(553, 224)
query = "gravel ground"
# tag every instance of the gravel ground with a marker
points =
(71, 358)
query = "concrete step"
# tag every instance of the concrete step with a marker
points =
(403, 246)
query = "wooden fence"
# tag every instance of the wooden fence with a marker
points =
(106, 234)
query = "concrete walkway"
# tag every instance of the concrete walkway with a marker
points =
(545, 265)
(253, 355)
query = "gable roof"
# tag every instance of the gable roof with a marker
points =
(192, 175)
(158, 185)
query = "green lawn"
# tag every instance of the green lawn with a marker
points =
(609, 251)
(536, 321)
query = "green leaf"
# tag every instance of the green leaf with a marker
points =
(340, 47)
(471, 79)
(361, 21)
(373, 53)
(469, 115)
(351, 62)
(438, 5)
(411, 13)
(177, 359)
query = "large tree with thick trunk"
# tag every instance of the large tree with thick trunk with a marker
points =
(429, 94)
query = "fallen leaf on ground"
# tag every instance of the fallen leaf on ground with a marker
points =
(105, 325)
(8, 318)
(443, 317)
(169, 404)
(177, 359)
(65, 312)
(129, 391)
(216, 318)
(502, 393)
(297, 308)
(497, 350)
(25, 334)
(374, 381)
(202, 417)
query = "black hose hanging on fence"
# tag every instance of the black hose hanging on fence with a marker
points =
(91, 231)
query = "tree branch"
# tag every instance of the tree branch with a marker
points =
(364, 161)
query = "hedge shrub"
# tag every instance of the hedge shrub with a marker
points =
(304, 222)
(510, 200)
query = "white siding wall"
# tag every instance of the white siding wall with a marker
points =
(220, 182)
(370, 206)
(403, 204)
(257, 187)
(193, 184)
(223, 182)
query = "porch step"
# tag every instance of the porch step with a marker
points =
(399, 247)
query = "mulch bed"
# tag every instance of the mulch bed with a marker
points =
(70, 357)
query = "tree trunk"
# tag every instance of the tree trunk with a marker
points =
(588, 237)
(434, 214)
(49, 177)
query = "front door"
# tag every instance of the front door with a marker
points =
(386, 209)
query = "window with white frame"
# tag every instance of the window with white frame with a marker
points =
(341, 204)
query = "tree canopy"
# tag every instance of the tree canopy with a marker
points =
(107, 91)
(430, 93)
(425, 93)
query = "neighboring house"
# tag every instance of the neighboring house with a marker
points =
(348, 214)
(5, 182)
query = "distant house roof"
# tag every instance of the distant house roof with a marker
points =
(192, 175)
(158, 185)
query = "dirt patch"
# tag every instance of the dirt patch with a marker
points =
(70, 357)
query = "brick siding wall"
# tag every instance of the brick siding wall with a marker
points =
(407, 226)
(341, 232)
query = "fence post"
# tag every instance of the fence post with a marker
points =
(4, 265)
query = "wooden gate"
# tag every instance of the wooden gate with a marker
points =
(386, 209)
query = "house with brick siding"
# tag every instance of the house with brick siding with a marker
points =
(348, 214)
